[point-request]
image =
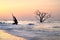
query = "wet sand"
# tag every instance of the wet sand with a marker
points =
(6, 36)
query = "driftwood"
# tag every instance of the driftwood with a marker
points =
(15, 20)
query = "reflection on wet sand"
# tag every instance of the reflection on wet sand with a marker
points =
(6, 36)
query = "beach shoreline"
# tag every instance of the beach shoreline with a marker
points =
(5, 36)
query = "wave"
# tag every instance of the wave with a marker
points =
(37, 31)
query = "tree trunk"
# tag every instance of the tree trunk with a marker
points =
(15, 20)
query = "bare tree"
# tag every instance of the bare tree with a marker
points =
(41, 16)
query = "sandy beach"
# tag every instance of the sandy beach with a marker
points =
(6, 36)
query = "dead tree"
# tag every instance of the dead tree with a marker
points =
(15, 20)
(41, 16)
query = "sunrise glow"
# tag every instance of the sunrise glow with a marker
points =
(25, 8)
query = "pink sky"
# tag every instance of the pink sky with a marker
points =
(24, 9)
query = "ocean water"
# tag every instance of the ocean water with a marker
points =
(31, 30)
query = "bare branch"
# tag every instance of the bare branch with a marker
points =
(38, 13)
(48, 16)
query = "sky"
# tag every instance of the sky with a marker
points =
(24, 9)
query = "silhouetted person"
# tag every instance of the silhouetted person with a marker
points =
(15, 20)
